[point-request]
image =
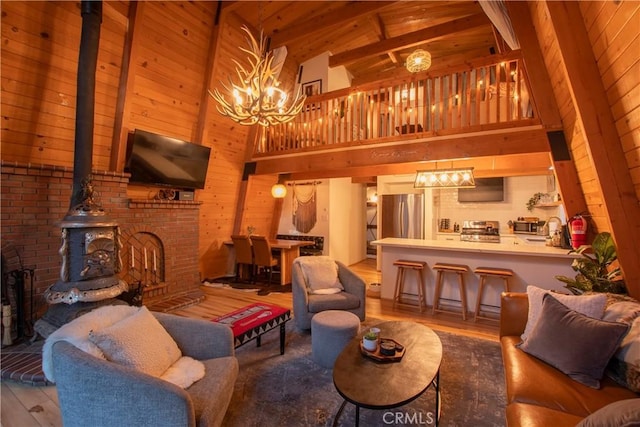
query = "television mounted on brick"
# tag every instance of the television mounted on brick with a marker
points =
(159, 160)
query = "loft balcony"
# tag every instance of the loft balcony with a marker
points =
(487, 95)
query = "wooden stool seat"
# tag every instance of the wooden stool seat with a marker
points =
(399, 293)
(499, 272)
(410, 264)
(484, 273)
(457, 269)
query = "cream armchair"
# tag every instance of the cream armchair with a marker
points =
(307, 302)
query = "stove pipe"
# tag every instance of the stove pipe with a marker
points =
(85, 97)
(90, 248)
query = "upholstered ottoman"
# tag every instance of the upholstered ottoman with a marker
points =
(331, 330)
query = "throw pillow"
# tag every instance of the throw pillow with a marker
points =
(138, 341)
(623, 413)
(589, 305)
(321, 274)
(577, 345)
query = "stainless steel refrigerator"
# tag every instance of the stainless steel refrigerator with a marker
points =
(403, 216)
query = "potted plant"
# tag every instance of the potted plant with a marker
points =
(370, 341)
(598, 269)
(534, 200)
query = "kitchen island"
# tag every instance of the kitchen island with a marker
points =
(531, 264)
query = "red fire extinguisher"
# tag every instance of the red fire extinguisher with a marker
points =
(578, 231)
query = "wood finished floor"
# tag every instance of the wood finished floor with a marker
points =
(26, 406)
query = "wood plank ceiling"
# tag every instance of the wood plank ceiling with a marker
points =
(372, 39)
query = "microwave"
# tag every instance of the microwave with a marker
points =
(525, 227)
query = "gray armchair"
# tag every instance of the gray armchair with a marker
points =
(306, 305)
(96, 392)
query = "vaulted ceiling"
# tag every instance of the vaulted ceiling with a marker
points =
(372, 39)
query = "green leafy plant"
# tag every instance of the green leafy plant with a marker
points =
(598, 269)
(534, 200)
(371, 336)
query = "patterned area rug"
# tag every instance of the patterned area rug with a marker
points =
(259, 286)
(291, 390)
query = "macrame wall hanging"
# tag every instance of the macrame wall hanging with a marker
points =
(304, 206)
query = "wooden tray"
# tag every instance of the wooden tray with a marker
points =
(378, 357)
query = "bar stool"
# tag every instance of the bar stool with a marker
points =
(484, 273)
(457, 269)
(403, 266)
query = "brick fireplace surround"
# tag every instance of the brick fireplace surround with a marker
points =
(35, 198)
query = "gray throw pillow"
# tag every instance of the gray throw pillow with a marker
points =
(577, 345)
(623, 413)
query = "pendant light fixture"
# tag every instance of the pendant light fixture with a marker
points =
(445, 178)
(278, 191)
(419, 60)
(257, 98)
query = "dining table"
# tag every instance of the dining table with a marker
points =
(287, 249)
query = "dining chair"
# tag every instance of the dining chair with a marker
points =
(244, 255)
(262, 256)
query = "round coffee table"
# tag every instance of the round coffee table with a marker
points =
(384, 385)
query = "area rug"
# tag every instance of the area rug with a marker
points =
(259, 287)
(291, 390)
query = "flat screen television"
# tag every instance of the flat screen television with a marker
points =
(486, 190)
(154, 159)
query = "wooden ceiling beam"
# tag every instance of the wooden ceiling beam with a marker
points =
(544, 102)
(602, 141)
(441, 66)
(130, 55)
(500, 43)
(484, 167)
(409, 40)
(381, 32)
(503, 142)
(349, 12)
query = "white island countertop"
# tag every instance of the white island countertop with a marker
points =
(532, 264)
(477, 247)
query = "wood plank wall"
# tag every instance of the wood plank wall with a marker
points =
(573, 133)
(167, 66)
(621, 80)
(611, 33)
(40, 43)
(614, 32)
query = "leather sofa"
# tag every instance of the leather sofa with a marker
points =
(537, 393)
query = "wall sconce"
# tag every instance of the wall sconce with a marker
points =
(445, 178)
(279, 191)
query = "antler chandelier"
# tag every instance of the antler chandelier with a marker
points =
(257, 98)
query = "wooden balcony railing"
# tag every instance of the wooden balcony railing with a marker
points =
(483, 96)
